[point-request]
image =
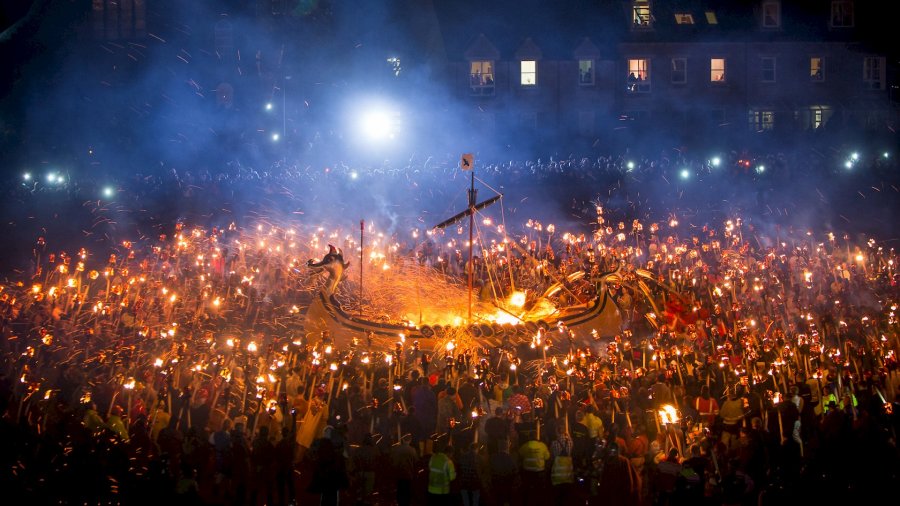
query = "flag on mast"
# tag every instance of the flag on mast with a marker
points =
(467, 161)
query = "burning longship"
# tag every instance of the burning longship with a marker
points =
(422, 303)
(513, 322)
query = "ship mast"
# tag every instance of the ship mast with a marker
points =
(467, 163)
(473, 193)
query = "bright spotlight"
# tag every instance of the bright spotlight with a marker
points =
(26, 176)
(848, 164)
(854, 156)
(108, 192)
(685, 173)
(716, 161)
(886, 154)
(60, 180)
(51, 178)
(354, 175)
(374, 123)
(761, 169)
(630, 165)
(275, 137)
(377, 125)
(268, 106)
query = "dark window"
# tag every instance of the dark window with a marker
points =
(767, 70)
(679, 70)
(842, 14)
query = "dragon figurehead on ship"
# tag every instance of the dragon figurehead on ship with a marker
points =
(333, 263)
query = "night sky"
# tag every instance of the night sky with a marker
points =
(103, 111)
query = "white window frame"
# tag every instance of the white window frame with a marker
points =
(478, 77)
(775, 7)
(525, 74)
(818, 117)
(591, 74)
(845, 20)
(763, 69)
(874, 72)
(644, 76)
(724, 70)
(683, 71)
(641, 15)
(761, 120)
(812, 76)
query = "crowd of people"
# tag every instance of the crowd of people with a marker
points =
(580, 177)
(790, 189)
(754, 364)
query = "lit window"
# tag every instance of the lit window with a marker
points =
(684, 19)
(529, 72)
(717, 70)
(481, 77)
(767, 70)
(762, 120)
(816, 69)
(679, 70)
(640, 14)
(873, 72)
(586, 72)
(711, 18)
(818, 116)
(638, 80)
(813, 117)
(842, 14)
(771, 12)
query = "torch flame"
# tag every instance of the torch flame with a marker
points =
(668, 414)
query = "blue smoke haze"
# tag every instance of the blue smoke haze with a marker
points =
(116, 111)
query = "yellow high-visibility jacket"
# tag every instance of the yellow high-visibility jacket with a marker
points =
(440, 473)
(534, 455)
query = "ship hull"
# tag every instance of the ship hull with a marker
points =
(599, 318)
